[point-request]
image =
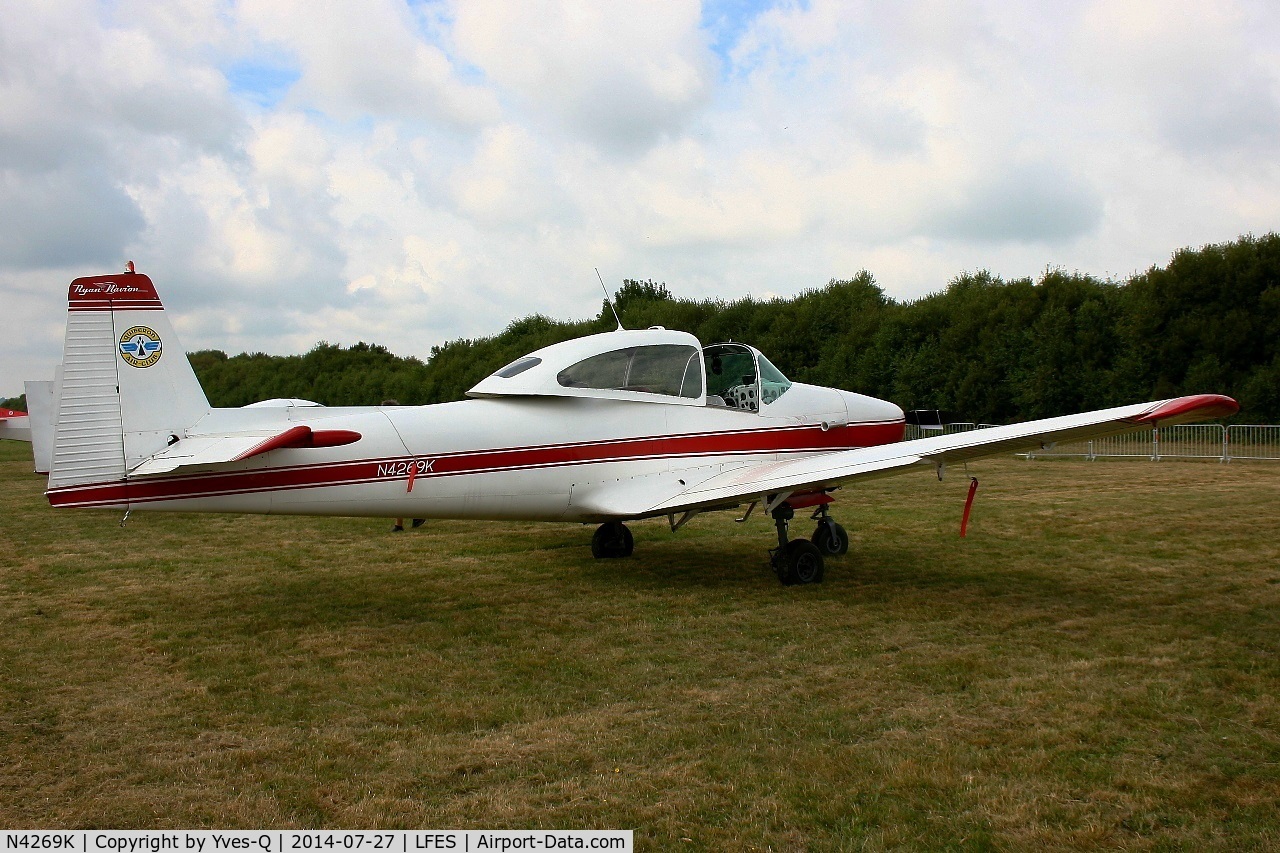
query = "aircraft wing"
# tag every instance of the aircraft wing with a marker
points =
(829, 470)
(217, 448)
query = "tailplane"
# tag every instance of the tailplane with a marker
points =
(127, 389)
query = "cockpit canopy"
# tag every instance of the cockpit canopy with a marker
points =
(740, 377)
(655, 365)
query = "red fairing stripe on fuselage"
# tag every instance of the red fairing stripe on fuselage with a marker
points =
(217, 484)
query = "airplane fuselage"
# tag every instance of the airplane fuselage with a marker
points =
(537, 458)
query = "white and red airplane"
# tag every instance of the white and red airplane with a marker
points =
(603, 429)
(15, 425)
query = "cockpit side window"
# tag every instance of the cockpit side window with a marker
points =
(732, 381)
(606, 370)
(661, 369)
(731, 377)
(520, 365)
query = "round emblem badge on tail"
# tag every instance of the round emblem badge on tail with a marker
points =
(140, 346)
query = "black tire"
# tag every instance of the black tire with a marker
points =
(831, 539)
(612, 539)
(800, 563)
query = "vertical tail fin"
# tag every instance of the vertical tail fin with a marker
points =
(127, 387)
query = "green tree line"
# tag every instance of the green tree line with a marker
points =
(986, 349)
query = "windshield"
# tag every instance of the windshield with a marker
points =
(772, 383)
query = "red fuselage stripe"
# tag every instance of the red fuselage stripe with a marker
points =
(215, 484)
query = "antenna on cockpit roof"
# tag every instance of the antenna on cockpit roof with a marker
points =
(607, 300)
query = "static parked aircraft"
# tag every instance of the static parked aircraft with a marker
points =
(604, 429)
(15, 425)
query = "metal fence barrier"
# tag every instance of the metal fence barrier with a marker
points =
(1133, 445)
(1185, 441)
(914, 431)
(1251, 441)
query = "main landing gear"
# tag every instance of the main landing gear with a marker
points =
(799, 561)
(796, 561)
(612, 539)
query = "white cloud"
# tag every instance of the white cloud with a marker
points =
(506, 181)
(369, 58)
(63, 216)
(1193, 71)
(1032, 202)
(618, 74)
(413, 173)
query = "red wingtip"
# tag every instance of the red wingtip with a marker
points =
(1197, 407)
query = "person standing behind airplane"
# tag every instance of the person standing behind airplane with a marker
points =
(398, 527)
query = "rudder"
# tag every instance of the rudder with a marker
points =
(127, 387)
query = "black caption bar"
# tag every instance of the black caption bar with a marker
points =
(298, 841)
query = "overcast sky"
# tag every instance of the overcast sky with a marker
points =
(290, 171)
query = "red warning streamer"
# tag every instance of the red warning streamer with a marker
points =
(413, 473)
(968, 505)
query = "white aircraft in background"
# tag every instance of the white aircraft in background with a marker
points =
(624, 425)
(15, 425)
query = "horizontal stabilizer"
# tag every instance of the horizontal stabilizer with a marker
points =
(237, 447)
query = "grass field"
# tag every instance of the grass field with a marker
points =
(1095, 666)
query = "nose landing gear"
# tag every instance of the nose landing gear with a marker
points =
(829, 537)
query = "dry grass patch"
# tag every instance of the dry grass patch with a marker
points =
(1094, 666)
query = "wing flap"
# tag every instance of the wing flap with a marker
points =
(826, 470)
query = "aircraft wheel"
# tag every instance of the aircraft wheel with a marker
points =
(830, 538)
(612, 539)
(800, 562)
